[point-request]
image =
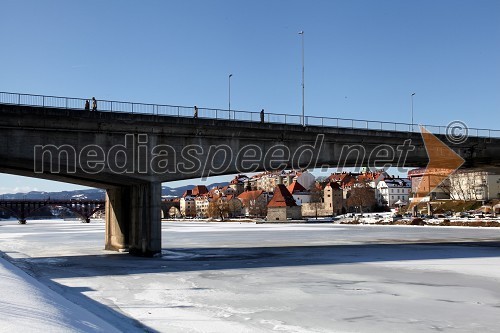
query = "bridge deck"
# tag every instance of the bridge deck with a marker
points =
(232, 115)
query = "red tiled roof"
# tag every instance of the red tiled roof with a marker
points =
(343, 178)
(333, 185)
(199, 190)
(246, 196)
(296, 187)
(282, 197)
(427, 172)
(366, 177)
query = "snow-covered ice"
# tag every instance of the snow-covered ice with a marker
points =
(29, 306)
(244, 277)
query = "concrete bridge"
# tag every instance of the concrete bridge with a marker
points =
(129, 149)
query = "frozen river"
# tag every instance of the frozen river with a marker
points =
(231, 277)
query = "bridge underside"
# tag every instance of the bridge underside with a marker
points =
(133, 207)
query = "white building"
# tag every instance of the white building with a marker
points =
(267, 181)
(474, 185)
(188, 206)
(299, 193)
(201, 204)
(391, 190)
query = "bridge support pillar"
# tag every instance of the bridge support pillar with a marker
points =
(117, 220)
(133, 219)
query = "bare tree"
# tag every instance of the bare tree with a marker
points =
(257, 207)
(459, 187)
(233, 207)
(316, 197)
(446, 187)
(464, 185)
(361, 195)
(218, 208)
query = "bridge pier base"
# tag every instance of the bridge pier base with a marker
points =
(133, 219)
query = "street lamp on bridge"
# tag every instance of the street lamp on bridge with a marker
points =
(301, 33)
(413, 94)
(229, 78)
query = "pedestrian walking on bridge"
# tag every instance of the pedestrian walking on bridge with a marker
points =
(262, 116)
(94, 104)
(195, 112)
(87, 105)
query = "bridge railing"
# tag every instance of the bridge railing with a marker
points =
(185, 111)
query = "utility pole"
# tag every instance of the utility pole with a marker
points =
(230, 75)
(413, 94)
(303, 102)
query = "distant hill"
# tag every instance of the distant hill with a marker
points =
(93, 194)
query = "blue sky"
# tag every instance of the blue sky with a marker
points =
(363, 59)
